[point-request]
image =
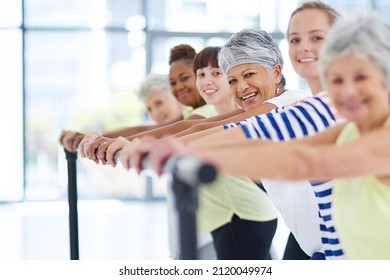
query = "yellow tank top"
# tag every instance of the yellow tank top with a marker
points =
(362, 210)
(206, 111)
(229, 195)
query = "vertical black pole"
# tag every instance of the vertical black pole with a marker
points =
(188, 173)
(186, 203)
(72, 200)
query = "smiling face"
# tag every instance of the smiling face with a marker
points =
(213, 86)
(162, 108)
(306, 34)
(251, 84)
(182, 81)
(358, 90)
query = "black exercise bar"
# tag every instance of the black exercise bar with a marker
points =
(72, 201)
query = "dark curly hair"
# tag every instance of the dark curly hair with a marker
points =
(180, 52)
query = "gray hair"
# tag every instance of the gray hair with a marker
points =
(154, 83)
(363, 35)
(250, 46)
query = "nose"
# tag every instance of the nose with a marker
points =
(179, 86)
(305, 45)
(206, 80)
(242, 86)
(158, 116)
(348, 88)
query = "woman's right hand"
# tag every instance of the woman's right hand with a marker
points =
(70, 140)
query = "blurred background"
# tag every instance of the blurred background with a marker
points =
(76, 64)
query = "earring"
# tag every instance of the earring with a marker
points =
(277, 91)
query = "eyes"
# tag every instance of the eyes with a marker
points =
(233, 81)
(214, 73)
(315, 39)
(182, 79)
(339, 80)
(155, 105)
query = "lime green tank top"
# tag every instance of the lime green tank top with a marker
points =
(229, 195)
(362, 210)
(205, 111)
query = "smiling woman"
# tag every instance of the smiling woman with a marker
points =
(355, 69)
(308, 27)
(227, 208)
(253, 64)
(211, 81)
(155, 93)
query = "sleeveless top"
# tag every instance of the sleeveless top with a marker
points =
(306, 207)
(362, 210)
(205, 111)
(229, 196)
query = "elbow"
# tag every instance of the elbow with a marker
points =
(198, 127)
(304, 165)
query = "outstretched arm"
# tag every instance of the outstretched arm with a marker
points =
(232, 117)
(370, 155)
(128, 131)
(295, 160)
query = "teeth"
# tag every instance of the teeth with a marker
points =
(249, 96)
(307, 59)
(209, 91)
(355, 104)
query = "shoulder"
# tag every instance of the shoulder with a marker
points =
(289, 97)
(205, 111)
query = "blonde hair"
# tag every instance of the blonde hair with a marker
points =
(330, 12)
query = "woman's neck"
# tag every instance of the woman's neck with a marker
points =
(200, 103)
(226, 107)
(314, 85)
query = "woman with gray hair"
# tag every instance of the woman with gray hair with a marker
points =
(257, 88)
(255, 55)
(268, 93)
(155, 93)
(356, 72)
(227, 209)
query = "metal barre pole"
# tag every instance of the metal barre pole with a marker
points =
(187, 174)
(72, 201)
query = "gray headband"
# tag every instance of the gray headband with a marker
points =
(244, 58)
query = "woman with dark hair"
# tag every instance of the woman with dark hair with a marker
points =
(182, 82)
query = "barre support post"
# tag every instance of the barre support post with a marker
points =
(72, 201)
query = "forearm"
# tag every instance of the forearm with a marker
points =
(215, 137)
(242, 115)
(128, 131)
(166, 130)
(368, 156)
(200, 130)
(218, 121)
(225, 116)
(298, 160)
(259, 159)
(198, 135)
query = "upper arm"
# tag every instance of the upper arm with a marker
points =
(328, 136)
(257, 110)
(195, 117)
(168, 129)
(370, 155)
(217, 136)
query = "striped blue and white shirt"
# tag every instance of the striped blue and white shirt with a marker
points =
(305, 118)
